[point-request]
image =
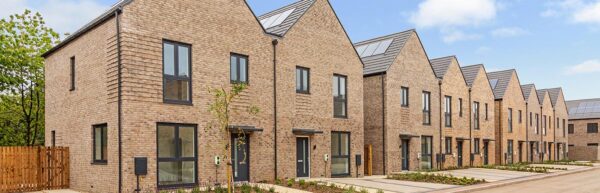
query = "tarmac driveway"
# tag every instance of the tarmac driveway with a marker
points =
(379, 182)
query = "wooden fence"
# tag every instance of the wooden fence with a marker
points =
(33, 168)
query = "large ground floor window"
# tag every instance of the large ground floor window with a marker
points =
(177, 158)
(509, 152)
(340, 153)
(426, 152)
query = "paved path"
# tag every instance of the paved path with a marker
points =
(395, 186)
(584, 182)
(490, 175)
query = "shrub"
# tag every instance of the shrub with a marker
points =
(277, 181)
(380, 191)
(245, 188)
(272, 190)
(302, 183)
(363, 190)
(290, 183)
(220, 189)
(435, 178)
(197, 190)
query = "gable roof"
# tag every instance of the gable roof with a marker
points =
(292, 13)
(541, 96)
(584, 109)
(554, 93)
(499, 81)
(382, 62)
(470, 73)
(528, 89)
(441, 65)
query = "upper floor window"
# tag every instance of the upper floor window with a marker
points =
(460, 107)
(486, 111)
(426, 108)
(592, 127)
(510, 119)
(448, 111)
(544, 124)
(476, 115)
(571, 128)
(177, 79)
(72, 67)
(302, 80)
(520, 116)
(239, 68)
(530, 119)
(537, 123)
(99, 139)
(340, 99)
(404, 96)
(564, 123)
(557, 123)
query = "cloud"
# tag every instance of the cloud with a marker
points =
(445, 13)
(509, 32)
(456, 35)
(588, 14)
(64, 16)
(483, 50)
(590, 66)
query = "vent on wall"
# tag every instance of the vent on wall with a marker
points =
(276, 20)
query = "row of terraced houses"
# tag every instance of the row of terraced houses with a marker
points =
(133, 83)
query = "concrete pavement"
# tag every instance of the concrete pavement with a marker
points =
(489, 175)
(389, 186)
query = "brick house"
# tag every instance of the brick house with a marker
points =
(401, 103)
(584, 118)
(509, 108)
(547, 138)
(559, 126)
(533, 117)
(133, 83)
(481, 98)
(456, 130)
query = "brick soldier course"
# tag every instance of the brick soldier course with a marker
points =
(134, 82)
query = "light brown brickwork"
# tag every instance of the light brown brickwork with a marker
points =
(548, 136)
(512, 99)
(580, 136)
(481, 92)
(533, 132)
(561, 115)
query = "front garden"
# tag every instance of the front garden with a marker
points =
(435, 178)
(319, 187)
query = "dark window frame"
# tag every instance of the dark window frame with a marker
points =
(343, 99)
(537, 123)
(460, 107)
(404, 96)
(571, 128)
(476, 145)
(448, 145)
(510, 151)
(564, 127)
(238, 67)
(593, 130)
(177, 158)
(476, 123)
(531, 119)
(103, 144)
(339, 134)
(72, 77)
(426, 108)
(510, 120)
(430, 150)
(307, 71)
(592, 144)
(447, 111)
(520, 116)
(486, 111)
(176, 76)
(53, 137)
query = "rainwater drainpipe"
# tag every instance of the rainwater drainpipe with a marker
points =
(471, 156)
(274, 42)
(527, 132)
(383, 122)
(119, 98)
(439, 155)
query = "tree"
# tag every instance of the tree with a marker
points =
(23, 39)
(221, 109)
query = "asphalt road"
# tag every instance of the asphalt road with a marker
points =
(584, 182)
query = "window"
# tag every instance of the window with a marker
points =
(448, 145)
(177, 83)
(571, 128)
(486, 111)
(177, 159)
(592, 144)
(509, 152)
(564, 123)
(544, 122)
(557, 123)
(476, 115)
(426, 108)
(537, 123)
(520, 116)
(99, 140)
(592, 127)
(530, 119)
(476, 145)
(426, 149)
(340, 153)
(238, 72)
(339, 96)
(53, 135)
(510, 120)
(448, 111)
(404, 95)
(460, 107)
(302, 80)
(72, 74)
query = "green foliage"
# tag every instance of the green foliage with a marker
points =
(272, 190)
(364, 190)
(435, 178)
(519, 167)
(180, 191)
(302, 184)
(567, 162)
(220, 189)
(277, 181)
(23, 39)
(380, 191)
(290, 182)
(197, 190)
(246, 188)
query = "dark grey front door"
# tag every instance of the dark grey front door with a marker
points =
(520, 152)
(531, 148)
(302, 157)
(405, 154)
(459, 146)
(485, 153)
(241, 159)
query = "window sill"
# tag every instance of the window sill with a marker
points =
(427, 124)
(99, 163)
(174, 102)
(404, 106)
(340, 117)
(302, 92)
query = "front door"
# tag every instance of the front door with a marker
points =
(485, 153)
(405, 154)
(459, 147)
(531, 148)
(520, 152)
(302, 157)
(241, 158)
(550, 151)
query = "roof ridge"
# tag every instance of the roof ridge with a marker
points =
(388, 35)
(502, 71)
(444, 57)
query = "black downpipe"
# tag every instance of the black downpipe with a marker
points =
(274, 42)
(527, 153)
(119, 98)
(542, 132)
(470, 105)
(383, 122)
(439, 154)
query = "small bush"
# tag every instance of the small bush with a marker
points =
(272, 190)
(277, 181)
(435, 178)
(363, 190)
(197, 190)
(290, 183)
(380, 191)
(245, 188)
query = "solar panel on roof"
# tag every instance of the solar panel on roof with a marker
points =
(383, 46)
(493, 83)
(374, 48)
(275, 20)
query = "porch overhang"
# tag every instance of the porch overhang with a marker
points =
(489, 140)
(243, 129)
(298, 131)
(407, 136)
(462, 139)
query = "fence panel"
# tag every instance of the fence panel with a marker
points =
(33, 168)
